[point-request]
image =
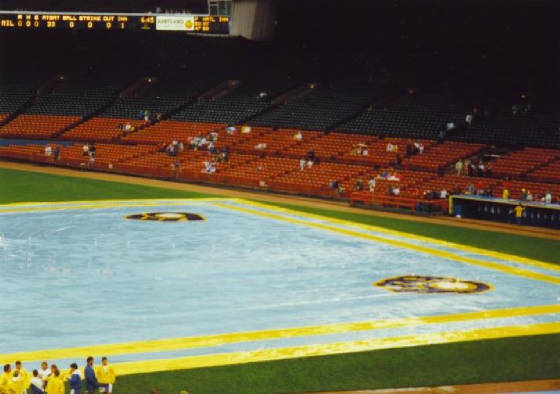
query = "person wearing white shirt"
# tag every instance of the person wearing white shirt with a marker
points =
(548, 197)
(44, 372)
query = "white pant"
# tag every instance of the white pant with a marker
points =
(109, 389)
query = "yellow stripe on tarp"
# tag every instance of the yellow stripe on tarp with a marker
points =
(369, 227)
(172, 344)
(135, 367)
(71, 205)
(402, 244)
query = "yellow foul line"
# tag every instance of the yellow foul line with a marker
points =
(402, 244)
(134, 367)
(369, 227)
(161, 345)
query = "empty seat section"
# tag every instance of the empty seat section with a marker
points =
(36, 126)
(169, 130)
(441, 155)
(520, 162)
(314, 111)
(100, 129)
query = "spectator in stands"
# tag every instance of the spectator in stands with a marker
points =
(470, 189)
(85, 150)
(456, 190)
(371, 184)
(209, 167)
(393, 176)
(211, 148)
(383, 175)
(443, 193)
(468, 120)
(56, 152)
(298, 136)
(159, 115)
(92, 149)
(459, 167)
(471, 169)
(310, 155)
(359, 185)
(523, 195)
(441, 136)
(419, 147)
(231, 130)
(481, 169)
(127, 127)
(171, 150)
(409, 148)
(302, 163)
(260, 146)
(333, 185)
(224, 155)
(48, 151)
(310, 164)
(390, 147)
(505, 193)
(529, 195)
(548, 197)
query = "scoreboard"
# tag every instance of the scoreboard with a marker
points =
(30, 20)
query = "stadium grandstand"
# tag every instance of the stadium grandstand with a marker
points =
(444, 113)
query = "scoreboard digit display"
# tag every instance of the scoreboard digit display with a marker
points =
(98, 21)
(168, 15)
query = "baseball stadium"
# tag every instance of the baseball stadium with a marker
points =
(279, 197)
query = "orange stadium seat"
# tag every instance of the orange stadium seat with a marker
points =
(36, 126)
(100, 129)
(520, 162)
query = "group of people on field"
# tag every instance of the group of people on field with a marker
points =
(51, 380)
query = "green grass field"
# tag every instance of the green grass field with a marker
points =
(522, 358)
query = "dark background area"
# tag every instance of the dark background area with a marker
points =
(133, 6)
(476, 47)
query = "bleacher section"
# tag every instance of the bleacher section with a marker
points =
(264, 149)
(318, 110)
(521, 162)
(418, 116)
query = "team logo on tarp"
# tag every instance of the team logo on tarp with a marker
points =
(166, 216)
(431, 284)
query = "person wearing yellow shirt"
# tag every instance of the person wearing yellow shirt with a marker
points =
(55, 384)
(518, 213)
(505, 194)
(23, 375)
(16, 384)
(5, 379)
(105, 376)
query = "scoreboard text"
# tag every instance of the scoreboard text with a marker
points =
(181, 22)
